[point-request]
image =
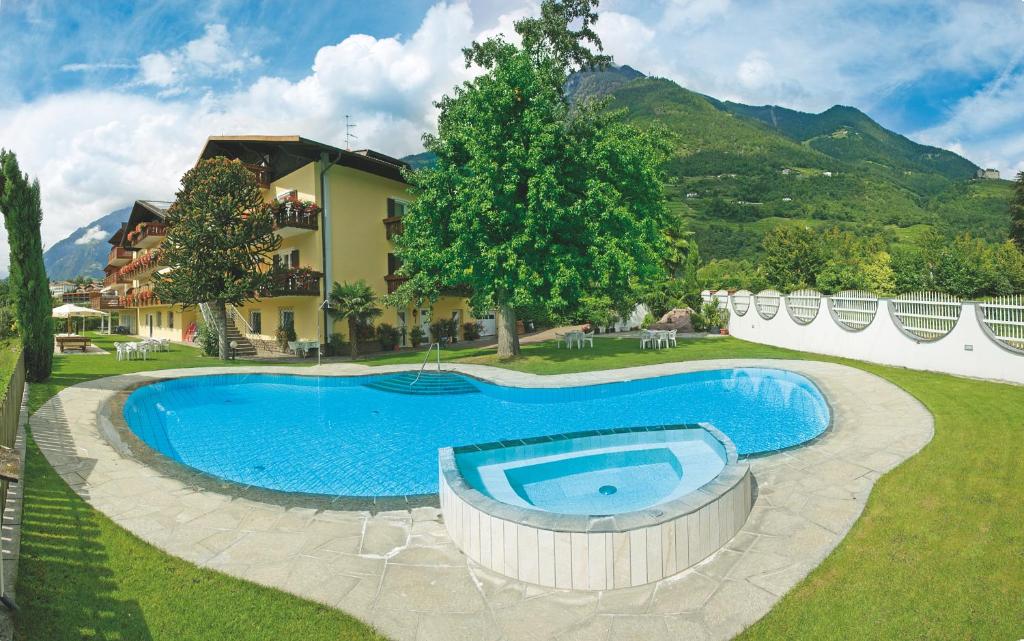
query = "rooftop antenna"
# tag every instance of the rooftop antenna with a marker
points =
(349, 136)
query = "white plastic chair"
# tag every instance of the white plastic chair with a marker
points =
(671, 338)
(588, 337)
(661, 337)
(121, 355)
(646, 339)
(559, 340)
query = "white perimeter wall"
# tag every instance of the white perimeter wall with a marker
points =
(967, 350)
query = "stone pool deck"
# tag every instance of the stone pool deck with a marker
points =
(399, 571)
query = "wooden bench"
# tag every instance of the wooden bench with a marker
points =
(72, 342)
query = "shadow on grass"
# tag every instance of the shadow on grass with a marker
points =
(66, 589)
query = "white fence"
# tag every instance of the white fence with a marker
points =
(927, 315)
(741, 301)
(803, 305)
(767, 303)
(925, 331)
(854, 308)
(1004, 316)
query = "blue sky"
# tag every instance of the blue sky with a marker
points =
(108, 100)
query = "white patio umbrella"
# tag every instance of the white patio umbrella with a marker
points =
(70, 311)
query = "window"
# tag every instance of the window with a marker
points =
(394, 262)
(396, 207)
(256, 322)
(170, 320)
(287, 258)
(287, 317)
(159, 319)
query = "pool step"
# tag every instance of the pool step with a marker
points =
(429, 384)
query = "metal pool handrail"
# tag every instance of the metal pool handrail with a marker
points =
(425, 359)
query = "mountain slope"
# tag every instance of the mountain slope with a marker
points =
(84, 252)
(849, 134)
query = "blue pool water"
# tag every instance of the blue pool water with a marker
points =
(369, 436)
(607, 474)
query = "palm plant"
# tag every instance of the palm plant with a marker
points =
(357, 303)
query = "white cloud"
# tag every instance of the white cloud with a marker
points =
(92, 235)
(95, 151)
(212, 55)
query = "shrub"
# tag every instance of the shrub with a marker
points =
(416, 336)
(444, 329)
(285, 334)
(208, 340)
(337, 345)
(471, 331)
(648, 320)
(388, 336)
(711, 314)
(8, 322)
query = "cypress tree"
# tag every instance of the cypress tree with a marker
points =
(29, 286)
(1017, 213)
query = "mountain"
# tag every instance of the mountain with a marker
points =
(739, 170)
(84, 252)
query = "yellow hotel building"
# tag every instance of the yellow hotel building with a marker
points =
(359, 197)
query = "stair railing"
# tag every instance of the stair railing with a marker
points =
(246, 330)
(427, 358)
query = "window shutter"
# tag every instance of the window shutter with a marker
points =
(295, 258)
(391, 207)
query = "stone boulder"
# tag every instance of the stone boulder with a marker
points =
(677, 319)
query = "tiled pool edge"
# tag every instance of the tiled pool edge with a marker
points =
(400, 572)
(596, 553)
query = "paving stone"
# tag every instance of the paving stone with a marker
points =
(807, 499)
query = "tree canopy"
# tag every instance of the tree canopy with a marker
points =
(220, 235)
(533, 204)
(356, 303)
(29, 286)
(1017, 212)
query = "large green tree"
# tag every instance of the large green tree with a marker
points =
(29, 286)
(356, 303)
(1017, 213)
(533, 204)
(220, 236)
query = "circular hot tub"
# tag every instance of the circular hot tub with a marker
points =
(596, 510)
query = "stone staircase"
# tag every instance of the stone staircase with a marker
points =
(431, 383)
(245, 347)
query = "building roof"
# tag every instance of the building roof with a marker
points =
(281, 155)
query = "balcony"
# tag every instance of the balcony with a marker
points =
(106, 303)
(146, 235)
(394, 282)
(139, 267)
(262, 174)
(115, 278)
(292, 217)
(299, 281)
(139, 298)
(119, 256)
(393, 226)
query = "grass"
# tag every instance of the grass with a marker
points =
(80, 576)
(938, 553)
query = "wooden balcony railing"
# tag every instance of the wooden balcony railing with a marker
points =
(119, 256)
(140, 266)
(300, 281)
(115, 278)
(393, 226)
(262, 174)
(139, 298)
(394, 282)
(296, 215)
(147, 234)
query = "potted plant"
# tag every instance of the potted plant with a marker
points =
(471, 331)
(285, 334)
(712, 316)
(416, 336)
(724, 316)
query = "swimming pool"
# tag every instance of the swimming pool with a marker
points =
(379, 436)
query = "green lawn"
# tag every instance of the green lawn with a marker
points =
(938, 553)
(82, 577)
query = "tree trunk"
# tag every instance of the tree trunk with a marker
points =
(220, 318)
(508, 340)
(353, 339)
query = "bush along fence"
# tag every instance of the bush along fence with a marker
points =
(922, 330)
